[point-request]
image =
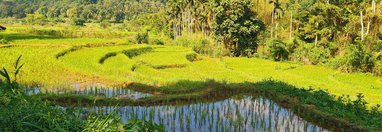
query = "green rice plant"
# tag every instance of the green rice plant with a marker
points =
(135, 52)
(75, 48)
(72, 49)
(108, 55)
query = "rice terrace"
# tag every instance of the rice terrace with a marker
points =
(190, 65)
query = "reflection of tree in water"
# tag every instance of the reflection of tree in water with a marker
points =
(244, 114)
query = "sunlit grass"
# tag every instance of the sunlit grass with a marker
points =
(82, 66)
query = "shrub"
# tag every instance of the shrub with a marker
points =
(355, 58)
(192, 56)
(142, 38)
(377, 70)
(318, 55)
(78, 22)
(202, 45)
(36, 18)
(158, 42)
(105, 24)
(309, 53)
(278, 50)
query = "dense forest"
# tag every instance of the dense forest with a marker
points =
(87, 10)
(343, 34)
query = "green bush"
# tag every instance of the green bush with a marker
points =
(278, 50)
(192, 56)
(318, 55)
(158, 42)
(202, 45)
(377, 70)
(142, 38)
(105, 24)
(355, 58)
(78, 22)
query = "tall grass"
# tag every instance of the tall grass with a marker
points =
(24, 113)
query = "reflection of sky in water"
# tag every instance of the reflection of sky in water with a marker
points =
(95, 90)
(246, 114)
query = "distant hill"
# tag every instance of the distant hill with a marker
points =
(88, 10)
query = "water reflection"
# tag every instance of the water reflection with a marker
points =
(120, 93)
(243, 114)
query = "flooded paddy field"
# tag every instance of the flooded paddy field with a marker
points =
(245, 113)
(236, 113)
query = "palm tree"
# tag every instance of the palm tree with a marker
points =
(173, 12)
(277, 13)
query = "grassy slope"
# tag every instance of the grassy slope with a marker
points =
(82, 66)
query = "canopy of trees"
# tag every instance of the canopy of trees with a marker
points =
(232, 22)
(89, 10)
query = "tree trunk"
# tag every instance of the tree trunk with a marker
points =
(188, 22)
(291, 26)
(277, 28)
(368, 28)
(265, 11)
(362, 26)
(202, 29)
(272, 24)
(373, 5)
(183, 21)
(174, 28)
(316, 41)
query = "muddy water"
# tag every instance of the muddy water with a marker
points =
(244, 113)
